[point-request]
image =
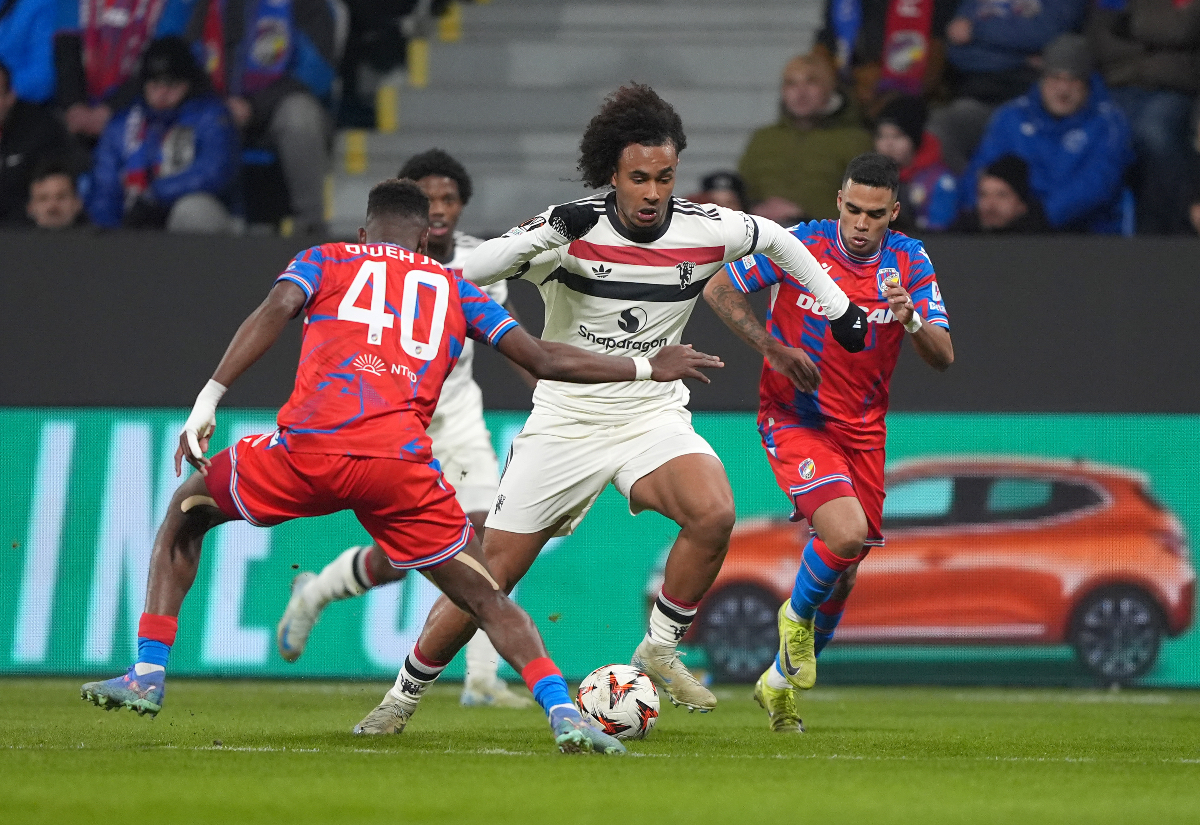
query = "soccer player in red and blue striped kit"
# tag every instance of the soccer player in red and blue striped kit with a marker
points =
(821, 408)
(384, 325)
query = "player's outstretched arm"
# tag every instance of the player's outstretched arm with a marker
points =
(254, 337)
(732, 307)
(931, 341)
(563, 362)
(847, 321)
(525, 375)
(514, 252)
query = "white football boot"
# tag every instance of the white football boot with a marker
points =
(291, 635)
(661, 663)
(390, 716)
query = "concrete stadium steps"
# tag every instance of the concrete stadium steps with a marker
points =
(509, 109)
(500, 146)
(517, 150)
(510, 99)
(679, 21)
(530, 64)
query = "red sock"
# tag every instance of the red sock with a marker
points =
(539, 669)
(158, 628)
(425, 661)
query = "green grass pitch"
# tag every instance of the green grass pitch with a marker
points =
(285, 754)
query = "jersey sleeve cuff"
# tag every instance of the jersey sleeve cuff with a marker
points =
(300, 282)
(941, 322)
(500, 330)
(739, 283)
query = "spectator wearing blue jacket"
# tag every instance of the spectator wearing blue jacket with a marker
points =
(994, 55)
(27, 46)
(1076, 142)
(97, 48)
(170, 160)
(275, 63)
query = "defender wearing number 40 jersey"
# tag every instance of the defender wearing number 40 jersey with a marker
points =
(821, 412)
(461, 444)
(384, 326)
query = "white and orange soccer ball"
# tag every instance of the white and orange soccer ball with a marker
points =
(621, 700)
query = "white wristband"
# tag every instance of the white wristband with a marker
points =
(644, 370)
(203, 416)
(915, 324)
(212, 393)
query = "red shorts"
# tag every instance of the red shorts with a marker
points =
(406, 507)
(812, 467)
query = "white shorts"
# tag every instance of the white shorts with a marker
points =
(463, 447)
(558, 466)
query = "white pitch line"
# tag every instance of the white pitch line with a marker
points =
(505, 752)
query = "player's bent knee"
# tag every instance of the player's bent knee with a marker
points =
(847, 543)
(714, 524)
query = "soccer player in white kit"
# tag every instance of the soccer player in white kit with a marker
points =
(619, 273)
(461, 444)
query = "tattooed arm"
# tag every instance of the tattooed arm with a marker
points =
(732, 307)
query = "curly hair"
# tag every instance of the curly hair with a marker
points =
(398, 198)
(437, 162)
(631, 114)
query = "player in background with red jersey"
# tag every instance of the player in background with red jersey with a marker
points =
(384, 325)
(821, 409)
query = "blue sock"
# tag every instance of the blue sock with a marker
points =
(818, 573)
(825, 622)
(551, 692)
(152, 652)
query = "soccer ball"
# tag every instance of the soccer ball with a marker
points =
(621, 700)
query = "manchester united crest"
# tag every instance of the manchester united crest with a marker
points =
(685, 273)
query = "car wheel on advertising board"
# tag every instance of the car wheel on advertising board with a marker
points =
(1116, 632)
(738, 631)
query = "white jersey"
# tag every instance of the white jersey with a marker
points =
(460, 394)
(627, 292)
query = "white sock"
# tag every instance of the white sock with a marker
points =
(483, 662)
(142, 668)
(413, 680)
(342, 578)
(791, 613)
(669, 621)
(775, 679)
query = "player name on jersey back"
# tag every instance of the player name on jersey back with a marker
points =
(619, 292)
(383, 327)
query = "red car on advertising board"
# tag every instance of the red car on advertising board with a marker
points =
(987, 550)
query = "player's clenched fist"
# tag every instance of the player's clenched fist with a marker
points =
(573, 220)
(900, 302)
(850, 330)
(681, 361)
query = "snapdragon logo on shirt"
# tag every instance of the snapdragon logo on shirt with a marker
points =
(629, 321)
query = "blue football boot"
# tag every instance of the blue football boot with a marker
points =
(143, 694)
(574, 734)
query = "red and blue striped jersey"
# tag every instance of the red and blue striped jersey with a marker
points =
(383, 327)
(853, 396)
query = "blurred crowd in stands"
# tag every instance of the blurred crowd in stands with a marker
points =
(186, 115)
(1004, 115)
